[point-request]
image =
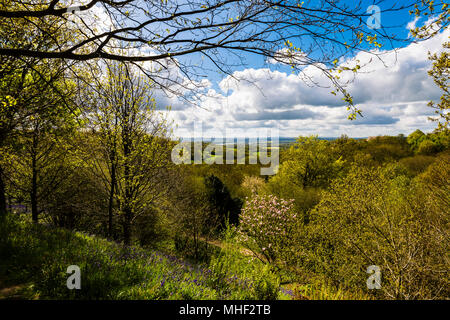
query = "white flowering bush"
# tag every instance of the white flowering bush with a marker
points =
(266, 226)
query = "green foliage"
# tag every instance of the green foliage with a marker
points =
(131, 149)
(385, 149)
(266, 226)
(252, 185)
(440, 75)
(416, 164)
(415, 138)
(41, 255)
(151, 228)
(381, 205)
(377, 217)
(37, 110)
(307, 167)
(193, 220)
(428, 144)
(232, 267)
(427, 147)
(222, 204)
(435, 182)
(266, 285)
(309, 163)
(198, 250)
(319, 290)
(304, 198)
(381, 201)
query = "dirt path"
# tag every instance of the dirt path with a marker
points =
(11, 291)
(219, 244)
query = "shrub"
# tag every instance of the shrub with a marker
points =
(427, 147)
(253, 185)
(40, 255)
(417, 164)
(377, 217)
(220, 200)
(266, 225)
(238, 276)
(267, 285)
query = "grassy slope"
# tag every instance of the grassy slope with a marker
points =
(34, 260)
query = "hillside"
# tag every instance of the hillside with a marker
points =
(34, 259)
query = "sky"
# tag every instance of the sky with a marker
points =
(393, 95)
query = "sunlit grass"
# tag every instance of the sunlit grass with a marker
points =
(39, 255)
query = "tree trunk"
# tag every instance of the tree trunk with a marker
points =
(127, 179)
(127, 207)
(127, 226)
(111, 200)
(9, 203)
(34, 208)
(2, 195)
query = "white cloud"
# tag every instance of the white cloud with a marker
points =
(412, 24)
(392, 93)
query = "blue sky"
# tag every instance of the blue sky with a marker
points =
(393, 23)
(393, 94)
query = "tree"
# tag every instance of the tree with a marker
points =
(191, 214)
(386, 148)
(439, 71)
(310, 162)
(297, 33)
(415, 138)
(427, 147)
(376, 216)
(37, 162)
(223, 206)
(253, 185)
(441, 75)
(429, 143)
(266, 227)
(79, 200)
(306, 167)
(103, 144)
(29, 86)
(36, 94)
(132, 138)
(436, 182)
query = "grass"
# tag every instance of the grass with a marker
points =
(35, 259)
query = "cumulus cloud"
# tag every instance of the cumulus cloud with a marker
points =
(280, 115)
(392, 92)
(401, 76)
